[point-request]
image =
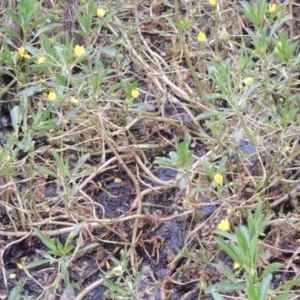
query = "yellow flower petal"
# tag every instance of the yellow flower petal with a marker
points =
(218, 178)
(42, 60)
(12, 276)
(117, 180)
(51, 96)
(101, 12)
(236, 266)
(212, 2)
(107, 264)
(135, 93)
(20, 266)
(79, 50)
(248, 80)
(74, 101)
(272, 7)
(201, 37)
(118, 270)
(21, 51)
(224, 225)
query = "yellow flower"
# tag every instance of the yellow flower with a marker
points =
(218, 178)
(20, 266)
(248, 80)
(42, 60)
(21, 51)
(51, 96)
(135, 93)
(259, 138)
(79, 50)
(287, 148)
(118, 270)
(74, 101)
(280, 45)
(101, 12)
(212, 2)
(272, 7)
(224, 225)
(236, 266)
(201, 37)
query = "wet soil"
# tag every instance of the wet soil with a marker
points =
(161, 237)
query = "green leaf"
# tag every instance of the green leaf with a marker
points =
(89, 247)
(250, 289)
(242, 235)
(38, 263)
(45, 28)
(265, 286)
(81, 161)
(64, 273)
(15, 115)
(62, 168)
(47, 171)
(290, 284)
(228, 249)
(9, 32)
(227, 235)
(45, 239)
(224, 287)
(210, 97)
(74, 232)
(67, 249)
(15, 294)
(217, 296)
(271, 268)
(283, 297)
(13, 15)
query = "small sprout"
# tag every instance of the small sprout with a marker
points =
(52, 96)
(21, 52)
(236, 266)
(218, 178)
(201, 37)
(101, 12)
(79, 50)
(74, 101)
(224, 225)
(42, 60)
(135, 93)
(118, 270)
(212, 2)
(45, 95)
(272, 7)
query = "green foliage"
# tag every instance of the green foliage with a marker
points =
(243, 247)
(127, 285)
(180, 159)
(256, 12)
(58, 252)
